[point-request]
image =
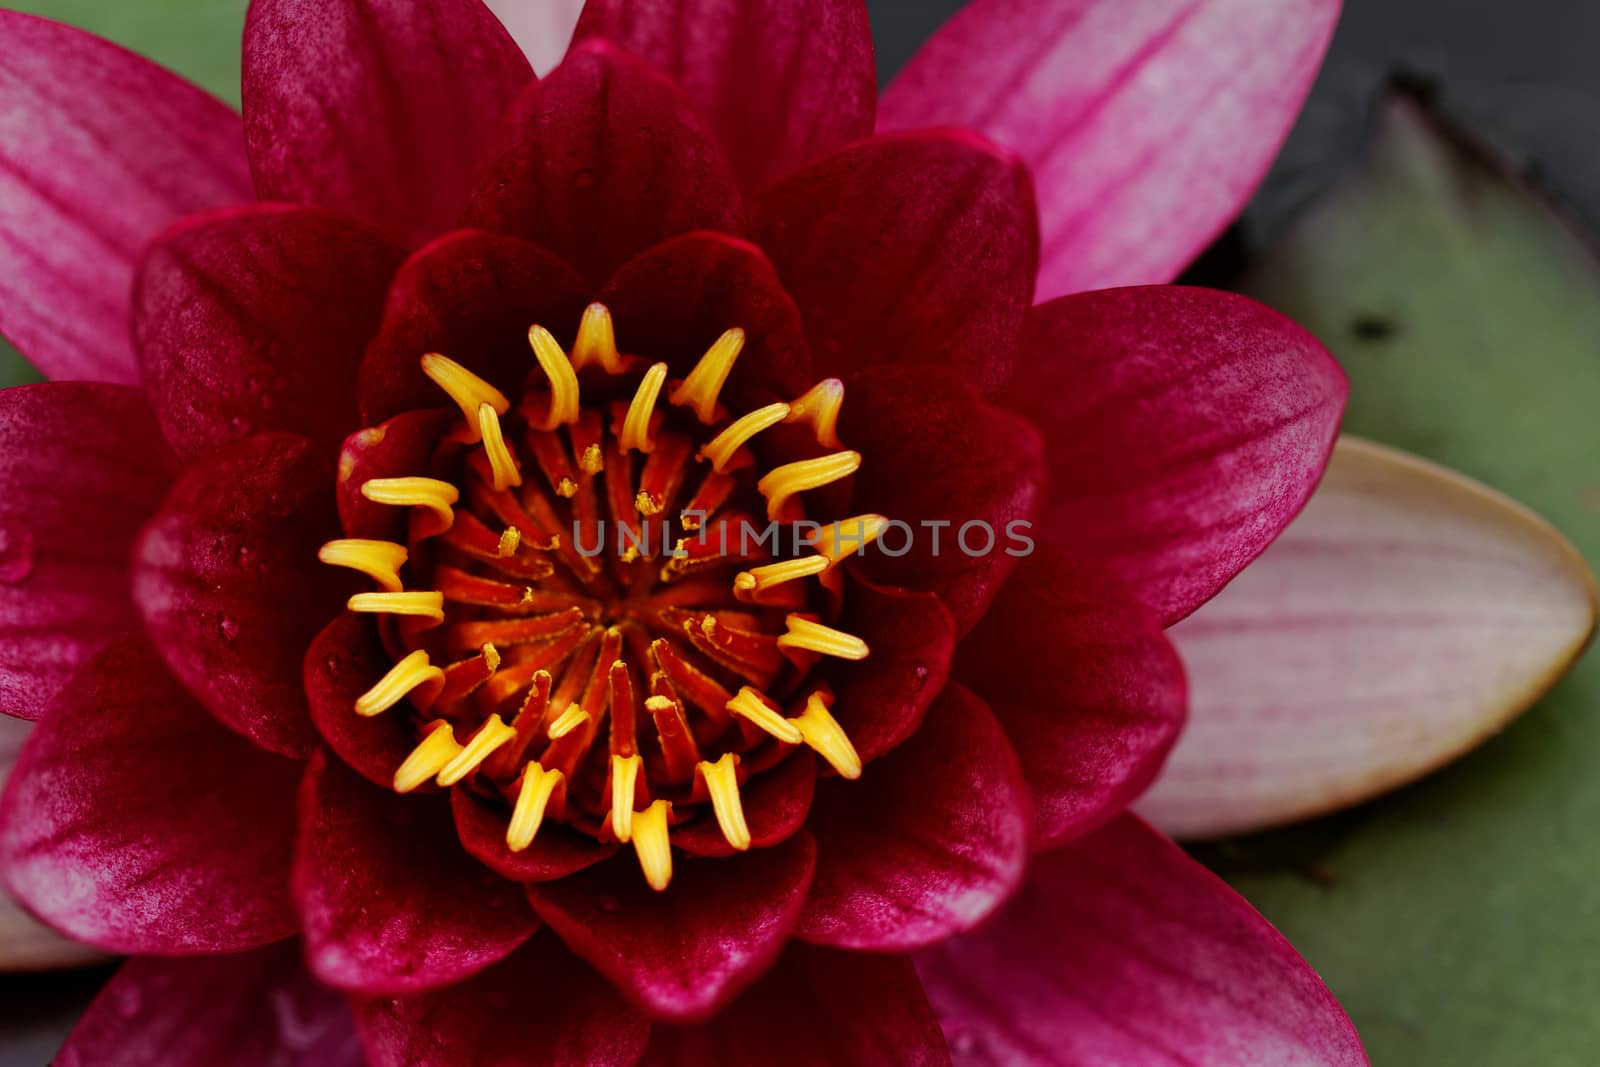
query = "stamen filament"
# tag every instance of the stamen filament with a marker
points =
(568, 721)
(402, 679)
(748, 704)
(636, 425)
(624, 780)
(501, 462)
(563, 379)
(783, 482)
(467, 389)
(532, 798)
(819, 408)
(759, 579)
(846, 536)
(428, 493)
(722, 782)
(427, 604)
(722, 448)
(652, 844)
(815, 637)
(378, 560)
(597, 341)
(823, 734)
(510, 541)
(428, 758)
(490, 736)
(701, 388)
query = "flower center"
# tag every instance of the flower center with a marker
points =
(609, 614)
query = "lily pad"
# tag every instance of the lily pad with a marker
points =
(1457, 919)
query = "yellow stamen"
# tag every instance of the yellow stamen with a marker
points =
(428, 493)
(563, 379)
(722, 782)
(650, 841)
(819, 408)
(759, 579)
(815, 637)
(704, 384)
(510, 539)
(597, 341)
(568, 721)
(528, 813)
(428, 604)
(490, 736)
(783, 482)
(428, 758)
(722, 448)
(465, 388)
(636, 426)
(378, 560)
(747, 703)
(624, 779)
(501, 462)
(593, 461)
(403, 677)
(824, 734)
(846, 536)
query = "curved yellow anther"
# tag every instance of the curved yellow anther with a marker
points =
(815, 637)
(701, 388)
(428, 758)
(818, 407)
(597, 341)
(378, 560)
(846, 536)
(759, 579)
(624, 780)
(722, 782)
(563, 379)
(528, 812)
(428, 493)
(426, 604)
(748, 704)
(783, 482)
(411, 672)
(510, 539)
(636, 425)
(502, 464)
(568, 721)
(652, 844)
(465, 388)
(823, 734)
(721, 449)
(490, 736)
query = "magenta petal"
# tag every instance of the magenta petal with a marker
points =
(82, 465)
(397, 448)
(539, 1006)
(1087, 686)
(781, 83)
(388, 901)
(555, 853)
(816, 1006)
(247, 1009)
(1183, 428)
(953, 470)
(917, 249)
(227, 578)
(683, 953)
(929, 841)
(255, 319)
(1144, 959)
(602, 160)
(470, 296)
(377, 109)
(135, 823)
(99, 149)
(1146, 125)
(345, 660)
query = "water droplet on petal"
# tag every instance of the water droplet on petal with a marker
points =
(16, 551)
(228, 627)
(583, 178)
(609, 903)
(127, 1000)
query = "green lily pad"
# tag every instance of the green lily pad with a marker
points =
(1457, 920)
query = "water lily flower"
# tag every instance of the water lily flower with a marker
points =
(335, 704)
